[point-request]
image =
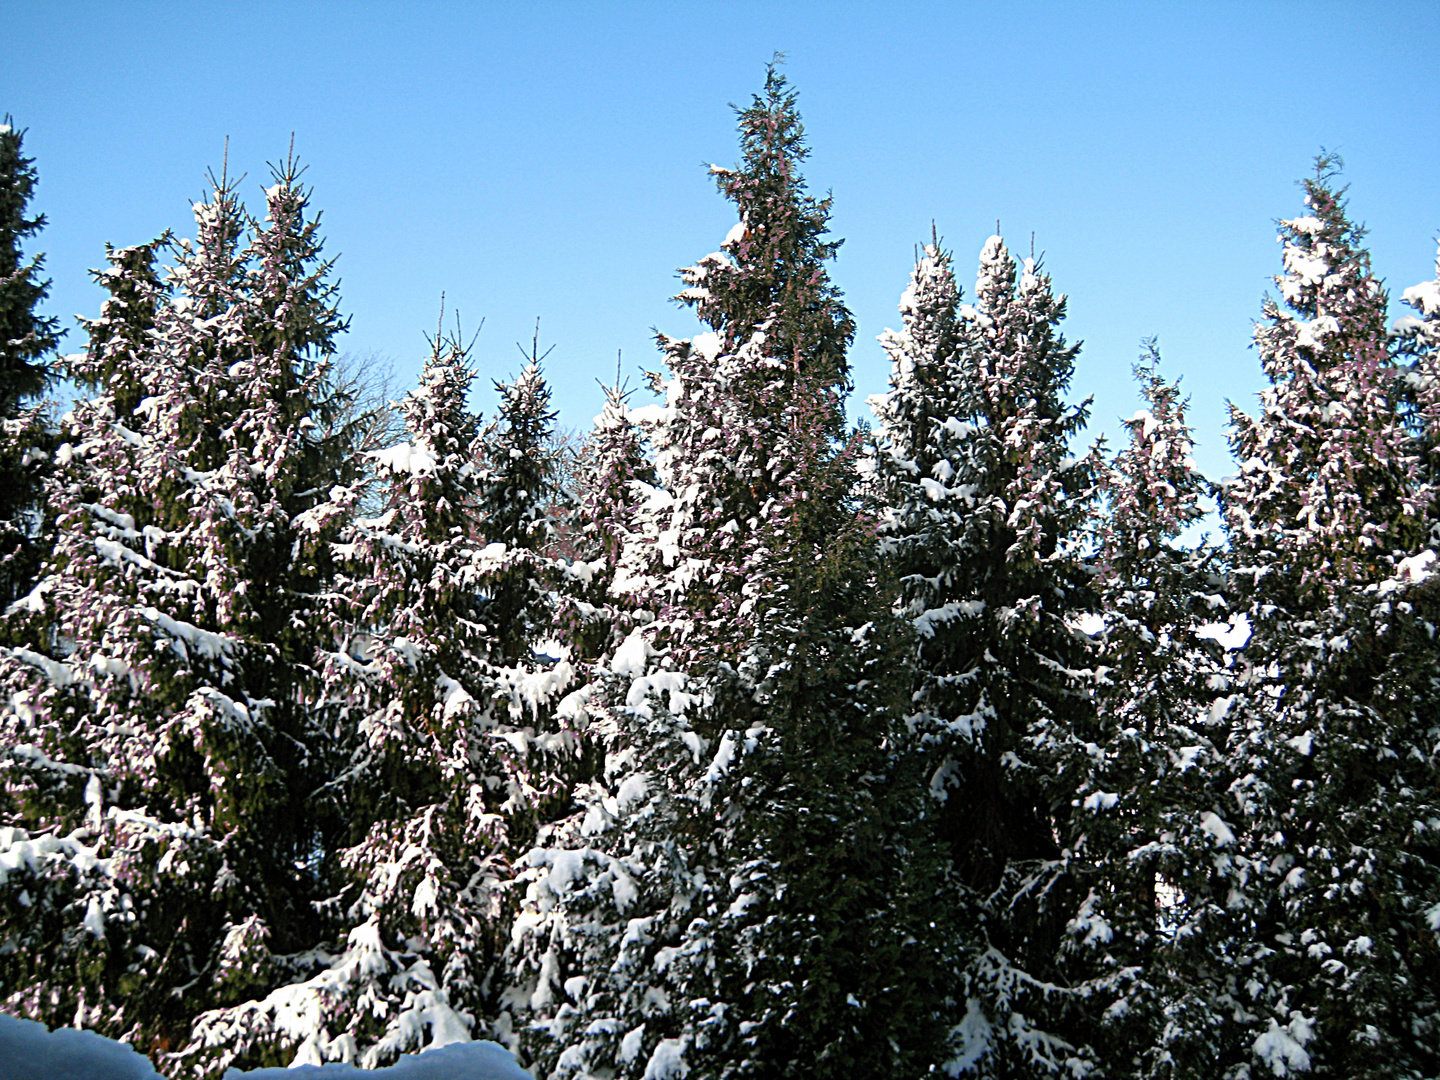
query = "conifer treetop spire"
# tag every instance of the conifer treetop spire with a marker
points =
(1154, 485)
(1326, 489)
(770, 278)
(296, 296)
(25, 337)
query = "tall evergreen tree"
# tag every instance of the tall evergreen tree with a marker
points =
(26, 339)
(1332, 742)
(1154, 907)
(737, 896)
(1325, 492)
(513, 509)
(163, 741)
(780, 332)
(986, 510)
(439, 713)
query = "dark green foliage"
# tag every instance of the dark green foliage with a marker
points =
(985, 512)
(26, 339)
(776, 250)
(771, 750)
(1331, 742)
(513, 507)
(1154, 906)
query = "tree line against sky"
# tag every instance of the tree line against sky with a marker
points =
(745, 742)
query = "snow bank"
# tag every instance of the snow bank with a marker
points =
(458, 1061)
(28, 1051)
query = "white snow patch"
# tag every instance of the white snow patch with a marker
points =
(1304, 269)
(94, 803)
(1229, 636)
(1283, 1048)
(650, 415)
(1432, 918)
(934, 490)
(1220, 708)
(1212, 825)
(1185, 757)
(724, 756)
(404, 458)
(28, 1049)
(566, 866)
(94, 918)
(1146, 419)
(1313, 333)
(572, 705)
(631, 656)
(926, 622)
(976, 1036)
(707, 345)
(186, 638)
(1418, 567)
(632, 790)
(1424, 297)
(623, 889)
(668, 1061)
(632, 1044)
(60, 675)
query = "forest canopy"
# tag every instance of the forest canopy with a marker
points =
(739, 740)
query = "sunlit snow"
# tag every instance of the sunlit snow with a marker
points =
(29, 1051)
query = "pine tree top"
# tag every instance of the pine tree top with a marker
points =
(25, 337)
(1325, 491)
(295, 295)
(770, 279)
(1153, 485)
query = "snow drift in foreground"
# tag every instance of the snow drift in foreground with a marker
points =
(28, 1051)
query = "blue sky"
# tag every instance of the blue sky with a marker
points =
(548, 159)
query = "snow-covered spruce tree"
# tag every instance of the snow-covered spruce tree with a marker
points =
(162, 741)
(514, 509)
(739, 896)
(611, 474)
(985, 513)
(1333, 735)
(1155, 908)
(1417, 341)
(1324, 495)
(446, 764)
(520, 585)
(777, 324)
(56, 895)
(26, 339)
(920, 448)
(91, 699)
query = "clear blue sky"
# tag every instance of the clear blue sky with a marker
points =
(547, 159)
